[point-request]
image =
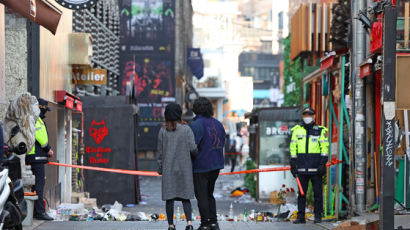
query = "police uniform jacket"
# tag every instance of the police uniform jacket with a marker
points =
(309, 148)
(39, 153)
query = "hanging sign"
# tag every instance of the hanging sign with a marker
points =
(195, 62)
(365, 70)
(82, 76)
(76, 4)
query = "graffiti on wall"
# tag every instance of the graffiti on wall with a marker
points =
(98, 131)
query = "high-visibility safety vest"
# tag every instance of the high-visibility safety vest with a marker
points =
(39, 155)
(309, 149)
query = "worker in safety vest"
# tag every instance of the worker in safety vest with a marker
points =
(309, 149)
(37, 157)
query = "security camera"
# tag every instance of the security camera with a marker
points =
(367, 23)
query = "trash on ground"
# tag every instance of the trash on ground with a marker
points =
(354, 225)
(117, 206)
(238, 192)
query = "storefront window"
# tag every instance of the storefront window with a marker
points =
(274, 142)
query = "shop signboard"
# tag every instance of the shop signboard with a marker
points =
(88, 76)
(365, 70)
(147, 54)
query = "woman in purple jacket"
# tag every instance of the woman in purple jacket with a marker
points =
(210, 139)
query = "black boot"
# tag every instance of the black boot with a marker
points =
(204, 227)
(171, 227)
(43, 216)
(299, 221)
(189, 227)
(317, 220)
(215, 226)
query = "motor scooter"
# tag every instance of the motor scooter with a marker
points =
(13, 207)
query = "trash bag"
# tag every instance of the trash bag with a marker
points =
(142, 216)
(154, 216)
(117, 206)
(131, 217)
(112, 214)
(283, 215)
(106, 207)
(237, 193)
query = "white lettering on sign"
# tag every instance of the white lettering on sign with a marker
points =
(89, 76)
(272, 131)
(388, 157)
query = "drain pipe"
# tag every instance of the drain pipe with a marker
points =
(359, 54)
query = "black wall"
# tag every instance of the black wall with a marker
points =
(116, 149)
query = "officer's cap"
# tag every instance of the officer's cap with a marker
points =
(308, 110)
(43, 102)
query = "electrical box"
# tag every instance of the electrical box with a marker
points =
(81, 49)
(402, 82)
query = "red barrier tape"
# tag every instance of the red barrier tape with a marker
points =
(122, 171)
(152, 173)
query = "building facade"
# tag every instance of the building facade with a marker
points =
(345, 89)
(215, 33)
(264, 70)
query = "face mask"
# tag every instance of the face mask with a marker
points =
(43, 113)
(308, 120)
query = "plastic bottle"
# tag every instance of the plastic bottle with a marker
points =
(58, 213)
(245, 215)
(63, 214)
(193, 215)
(178, 214)
(67, 215)
(231, 212)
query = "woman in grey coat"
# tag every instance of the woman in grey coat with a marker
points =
(176, 146)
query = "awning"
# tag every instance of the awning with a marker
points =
(69, 100)
(317, 73)
(280, 114)
(40, 12)
(327, 62)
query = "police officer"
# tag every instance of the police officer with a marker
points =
(37, 157)
(309, 150)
